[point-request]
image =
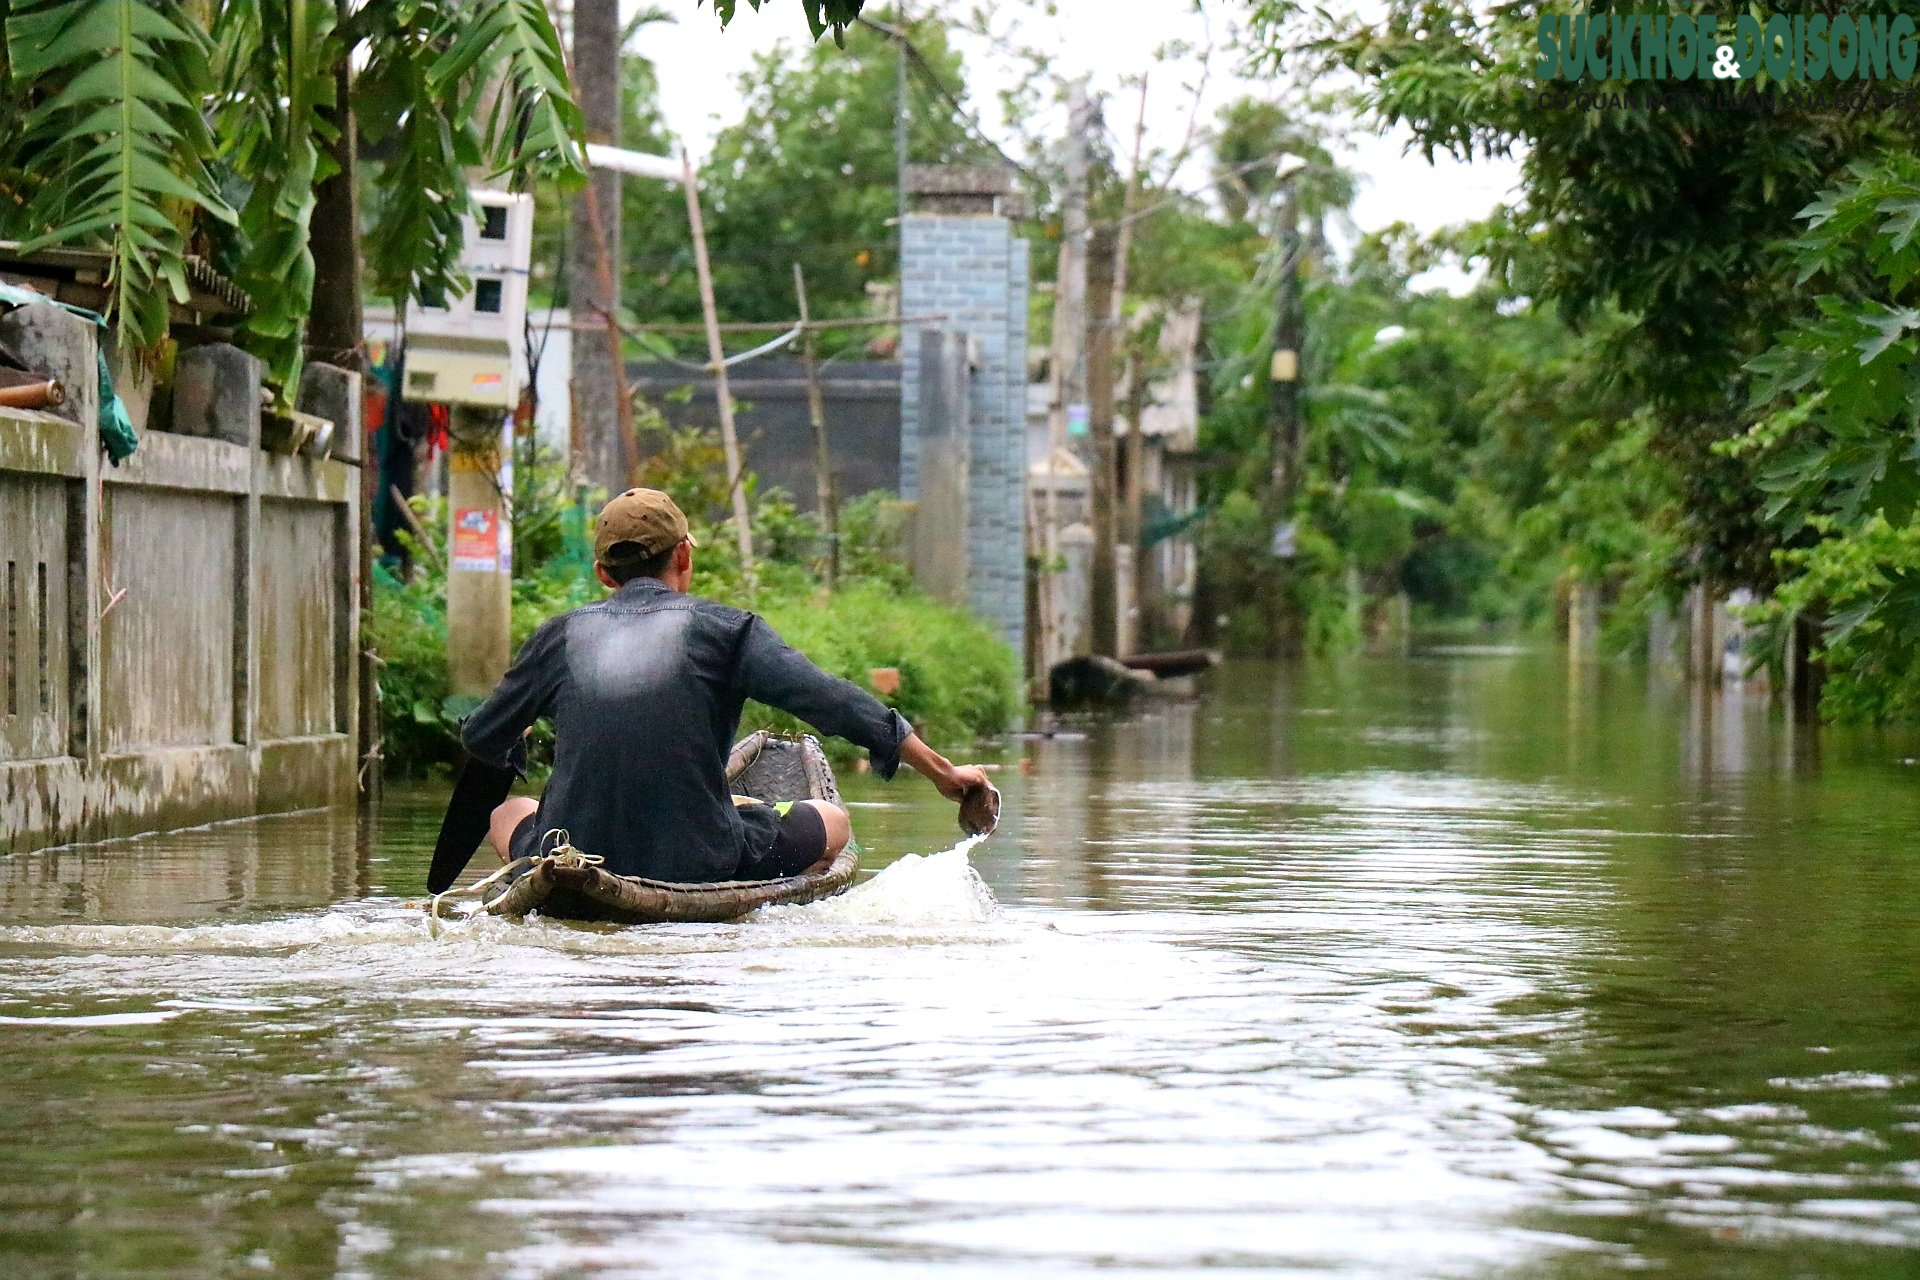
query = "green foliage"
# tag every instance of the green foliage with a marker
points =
(1675, 218)
(1866, 583)
(277, 79)
(809, 173)
(1839, 443)
(451, 85)
(958, 680)
(1843, 385)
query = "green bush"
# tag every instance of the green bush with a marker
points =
(958, 680)
(1865, 589)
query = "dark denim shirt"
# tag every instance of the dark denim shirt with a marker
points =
(644, 690)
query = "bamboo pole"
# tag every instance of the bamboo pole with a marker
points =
(742, 527)
(822, 450)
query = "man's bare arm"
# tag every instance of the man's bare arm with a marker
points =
(952, 780)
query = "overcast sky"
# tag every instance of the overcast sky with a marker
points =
(1105, 39)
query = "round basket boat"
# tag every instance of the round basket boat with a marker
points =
(763, 766)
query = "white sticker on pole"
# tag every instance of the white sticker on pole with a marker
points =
(1286, 541)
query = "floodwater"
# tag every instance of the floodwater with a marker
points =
(1451, 967)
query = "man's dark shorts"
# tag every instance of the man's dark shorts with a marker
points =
(782, 840)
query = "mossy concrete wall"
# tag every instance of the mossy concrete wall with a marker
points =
(177, 634)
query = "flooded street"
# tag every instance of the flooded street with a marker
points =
(1452, 967)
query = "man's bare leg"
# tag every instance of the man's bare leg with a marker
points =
(512, 811)
(834, 818)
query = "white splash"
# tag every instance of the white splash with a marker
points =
(921, 889)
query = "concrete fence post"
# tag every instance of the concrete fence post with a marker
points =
(333, 393)
(54, 341)
(216, 394)
(940, 524)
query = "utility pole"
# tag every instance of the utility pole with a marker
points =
(593, 242)
(1126, 527)
(1288, 439)
(717, 361)
(480, 568)
(1070, 279)
(1067, 379)
(822, 451)
(1104, 626)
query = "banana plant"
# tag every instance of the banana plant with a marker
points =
(159, 130)
(107, 143)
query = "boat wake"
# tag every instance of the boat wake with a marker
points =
(936, 897)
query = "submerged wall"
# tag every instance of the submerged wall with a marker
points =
(176, 633)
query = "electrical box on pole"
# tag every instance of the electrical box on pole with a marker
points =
(467, 350)
(466, 353)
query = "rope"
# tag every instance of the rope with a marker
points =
(557, 848)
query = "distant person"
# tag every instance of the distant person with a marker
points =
(644, 690)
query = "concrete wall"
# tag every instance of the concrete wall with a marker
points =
(177, 634)
(971, 271)
(862, 399)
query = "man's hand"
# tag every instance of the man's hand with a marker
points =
(951, 780)
(964, 784)
(961, 779)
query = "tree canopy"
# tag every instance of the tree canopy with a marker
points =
(1741, 277)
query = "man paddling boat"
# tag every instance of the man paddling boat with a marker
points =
(645, 690)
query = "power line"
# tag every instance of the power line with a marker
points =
(931, 77)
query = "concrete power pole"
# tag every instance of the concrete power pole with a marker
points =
(1067, 399)
(1067, 418)
(1103, 597)
(480, 568)
(594, 229)
(1288, 440)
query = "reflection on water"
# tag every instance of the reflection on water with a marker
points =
(1446, 967)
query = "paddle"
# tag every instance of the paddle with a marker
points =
(478, 790)
(980, 810)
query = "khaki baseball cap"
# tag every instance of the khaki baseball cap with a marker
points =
(647, 518)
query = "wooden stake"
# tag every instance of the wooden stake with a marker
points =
(742, 526)
(822, 452)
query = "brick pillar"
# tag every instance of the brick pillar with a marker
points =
(961, 261)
